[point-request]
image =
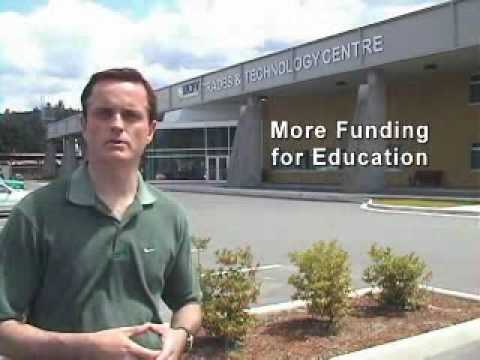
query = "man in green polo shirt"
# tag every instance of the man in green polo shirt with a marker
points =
(85, 261)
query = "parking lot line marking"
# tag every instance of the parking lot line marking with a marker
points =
(261, 268)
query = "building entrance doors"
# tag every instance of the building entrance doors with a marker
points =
(217, 167)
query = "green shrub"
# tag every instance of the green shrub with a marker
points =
(398, 277)
(323, 280)
(227, 291)
(200, 244)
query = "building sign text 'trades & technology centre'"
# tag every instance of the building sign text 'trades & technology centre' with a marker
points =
(310, 60)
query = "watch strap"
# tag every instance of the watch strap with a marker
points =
(189, 343)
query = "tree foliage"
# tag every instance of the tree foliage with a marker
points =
(22, 132)
(25, 132)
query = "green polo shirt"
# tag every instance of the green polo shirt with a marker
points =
(67, 264)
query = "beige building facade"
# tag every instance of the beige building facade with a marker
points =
(438, 99)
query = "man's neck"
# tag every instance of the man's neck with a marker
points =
(115, 186)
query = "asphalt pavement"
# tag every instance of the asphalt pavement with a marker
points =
(275, 227)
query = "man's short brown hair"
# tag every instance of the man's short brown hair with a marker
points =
(120, 74)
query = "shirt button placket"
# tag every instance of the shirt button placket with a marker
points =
(116, 247)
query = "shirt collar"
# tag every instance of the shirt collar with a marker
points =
(81, 191)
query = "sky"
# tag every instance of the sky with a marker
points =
(49, 48)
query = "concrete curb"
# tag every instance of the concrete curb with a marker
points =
(296, 304)
(370, 205)
(423, 346)
(292, 194)
(265, 193)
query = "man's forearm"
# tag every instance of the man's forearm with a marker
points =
(23, 341)
(189, 316)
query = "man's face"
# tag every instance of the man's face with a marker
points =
(117, 126)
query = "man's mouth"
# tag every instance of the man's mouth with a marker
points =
(117, 142)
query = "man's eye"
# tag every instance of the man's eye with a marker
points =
(103, 113)
(132, 115)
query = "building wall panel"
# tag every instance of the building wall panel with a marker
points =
(441, 101)
(468, 15)
(223, 84)
(412, 36)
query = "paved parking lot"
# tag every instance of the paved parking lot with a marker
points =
(275, 227)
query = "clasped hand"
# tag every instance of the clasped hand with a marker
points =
(116, 344)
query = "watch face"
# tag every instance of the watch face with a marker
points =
(189, 342)
(189, 339)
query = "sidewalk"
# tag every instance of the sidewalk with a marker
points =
(220, 189)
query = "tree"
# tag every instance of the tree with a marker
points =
(22, 132)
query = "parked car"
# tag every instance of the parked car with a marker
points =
(16, 181)
(10, 196)
(15, 184)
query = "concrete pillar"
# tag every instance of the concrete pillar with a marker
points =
(246, 160)
(370, 110)
(69, 162)
(82, 145)
(50, 163)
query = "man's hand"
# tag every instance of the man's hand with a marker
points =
(22, 341)
(115, 344)
(173, 340)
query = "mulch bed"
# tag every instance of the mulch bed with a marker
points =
(297, 335)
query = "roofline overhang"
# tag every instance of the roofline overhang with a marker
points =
(168, 98)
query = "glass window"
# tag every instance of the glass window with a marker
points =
(223, 152)
(303, 163)
(475, 89)
(179, 138)
(180, 154)
(217, 137)
(306, 162)
(174, 152)
(392, 147)
(475, 156)
(178, 168)
(326, 167)
(232, 135)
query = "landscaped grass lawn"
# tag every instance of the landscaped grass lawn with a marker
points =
(424, 202)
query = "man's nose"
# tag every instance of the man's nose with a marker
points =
(117, 121)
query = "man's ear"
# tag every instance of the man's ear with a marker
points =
(83, 122)
(83, 126)
(152, 128)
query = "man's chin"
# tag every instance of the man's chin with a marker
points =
(119, 158)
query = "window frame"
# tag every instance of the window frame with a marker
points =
(475, 147)
(399, 168)
(327, 168)
(473, 83)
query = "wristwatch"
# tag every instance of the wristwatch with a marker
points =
(189, 343)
